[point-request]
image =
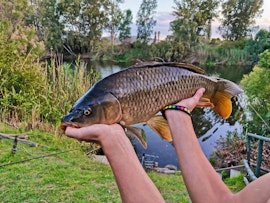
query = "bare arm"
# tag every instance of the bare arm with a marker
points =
(133, 183)
(202, 181)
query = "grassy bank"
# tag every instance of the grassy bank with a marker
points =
(68, 175)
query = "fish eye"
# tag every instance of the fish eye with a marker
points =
(87, 112)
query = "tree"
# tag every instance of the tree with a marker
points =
(124, 27)
(49, 24)
(238, 17)
(84, 22)
(115, 16)
(193, 19)
(257, 45)
(257, 87)
(145, 20)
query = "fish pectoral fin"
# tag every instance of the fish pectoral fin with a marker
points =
(138, 133)
(205, 102)
(223, 104)
(161, 127)
(222, 98)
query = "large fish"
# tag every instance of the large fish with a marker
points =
(138, 93)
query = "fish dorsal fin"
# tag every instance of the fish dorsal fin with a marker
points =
(138, 133)
(186, 66)
(190, 67)
(161, 127)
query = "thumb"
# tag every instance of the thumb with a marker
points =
(199, 93)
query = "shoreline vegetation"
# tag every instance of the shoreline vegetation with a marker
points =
(220, 53)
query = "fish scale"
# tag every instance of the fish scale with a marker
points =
(150, 89)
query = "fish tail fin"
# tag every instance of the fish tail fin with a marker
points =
(161, 127)
(222, 98)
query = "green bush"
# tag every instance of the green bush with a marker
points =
(21, 78)
(257, 45)
(257, 87)
(31, 91)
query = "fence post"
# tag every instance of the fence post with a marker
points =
(248, 149)
(259, 158)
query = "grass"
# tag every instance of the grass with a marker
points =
(235, 183)
(65, 177)
(69, 176)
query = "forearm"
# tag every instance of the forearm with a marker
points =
(133, 183)
(202, 181)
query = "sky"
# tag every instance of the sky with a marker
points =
(164, 16)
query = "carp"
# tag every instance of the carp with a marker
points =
(138, 93)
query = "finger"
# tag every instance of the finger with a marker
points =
(199, 93)
(74, 133)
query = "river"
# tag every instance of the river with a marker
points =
(209, 127)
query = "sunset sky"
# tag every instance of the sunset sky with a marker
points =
(164, 16)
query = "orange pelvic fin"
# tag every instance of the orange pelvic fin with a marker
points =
(161, 127)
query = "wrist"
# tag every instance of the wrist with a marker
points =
(176, 116)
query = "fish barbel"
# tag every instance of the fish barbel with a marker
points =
(138, 93)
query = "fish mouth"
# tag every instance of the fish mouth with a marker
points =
(64, 125)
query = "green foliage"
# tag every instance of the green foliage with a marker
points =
(162, 49)
(29, 91)
(115, 16)
(17, 12)
(265, 59)
(136, 51)
(193, 19)
(65, 84)
(85, 23)
(222, 54)
(238, 16)
(257, 87)
(124, 27)
(50, 28)
(224, 174)
(21, 78)
(145, 20)
(257, 45)
(235, 183)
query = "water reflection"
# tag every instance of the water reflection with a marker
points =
(209, 126)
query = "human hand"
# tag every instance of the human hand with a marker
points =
(94, 133)
(196, 101)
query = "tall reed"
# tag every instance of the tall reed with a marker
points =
(62, 84)
(222, 55)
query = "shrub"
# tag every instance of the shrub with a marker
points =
(31, 91)
(257, 87)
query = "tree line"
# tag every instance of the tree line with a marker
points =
(77, 26)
